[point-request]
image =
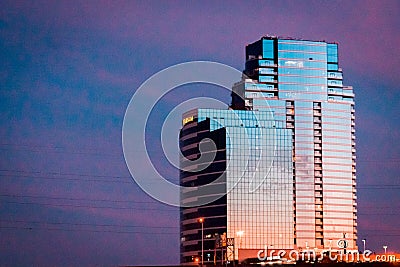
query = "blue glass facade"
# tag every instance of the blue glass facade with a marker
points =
(259, 176)
(290, 149)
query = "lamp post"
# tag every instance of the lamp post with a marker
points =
(201, 220)
(364, 240)
(240, 234)
(385, 247)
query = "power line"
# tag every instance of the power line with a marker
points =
(375, 230)
(116, 176)
(80, 199)
(149, 180)
(66, 174)
(88, 230)
(90, 224)
(378, 207)
(8, 146)
(78, 177)
(380, 214)
(385, 187)
(88, 151)
(84, 206)
(156, 181)
(143, 226)
(142, 202)
(382, 235)
(136, 208)
(65, 178)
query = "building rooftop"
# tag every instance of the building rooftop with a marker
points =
(270, 37)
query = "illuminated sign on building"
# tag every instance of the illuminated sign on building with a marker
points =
(188, 119)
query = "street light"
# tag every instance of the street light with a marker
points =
(385, 247)
(364, 240)
(201, 220)
(240, 234)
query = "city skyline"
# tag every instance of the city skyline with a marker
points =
(69, 70)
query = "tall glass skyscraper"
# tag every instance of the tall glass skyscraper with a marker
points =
(281, 170)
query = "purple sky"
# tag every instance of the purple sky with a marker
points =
(67, 73)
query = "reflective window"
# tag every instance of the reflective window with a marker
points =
(333, 66)
(266, 71)
(268, 48)
(332, 50)
(266, 78)
(265, 62)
